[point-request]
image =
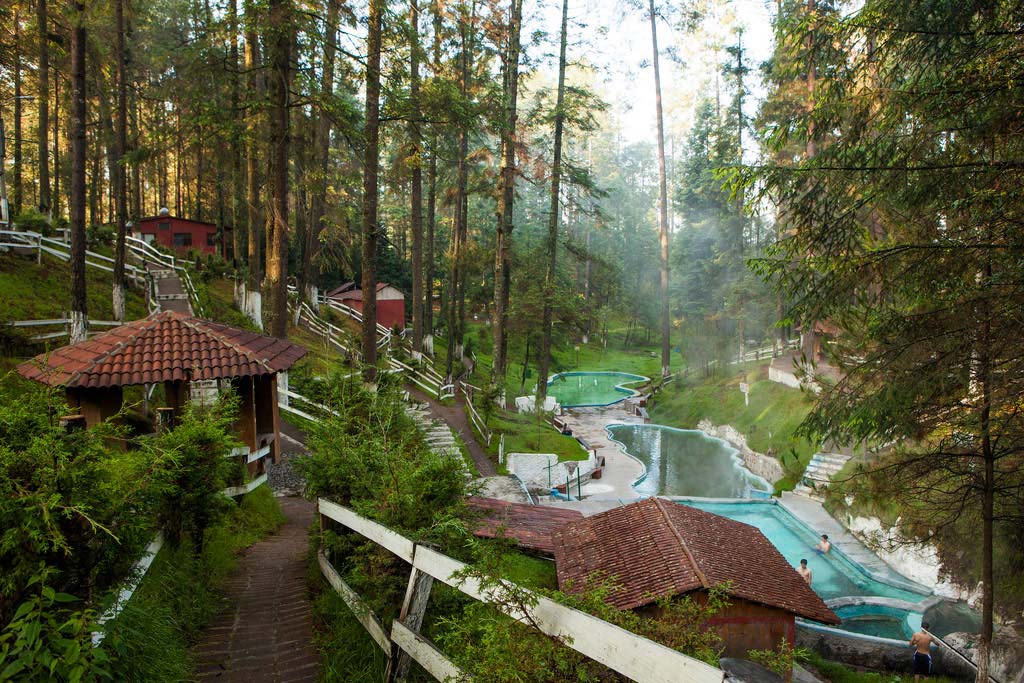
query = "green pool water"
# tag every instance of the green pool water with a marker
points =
(580, 389)
(687, 463)
(833, 575)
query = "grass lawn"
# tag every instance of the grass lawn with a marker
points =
(774, 413)
(528, 433)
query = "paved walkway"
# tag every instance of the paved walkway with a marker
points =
(170, 293)
(266, 635)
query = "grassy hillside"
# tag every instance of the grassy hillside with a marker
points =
(774, 413)
(33, 291)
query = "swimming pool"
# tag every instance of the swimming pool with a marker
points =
(687, 462)
(592, 389)
(834, 576)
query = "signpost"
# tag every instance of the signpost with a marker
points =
(745, 390)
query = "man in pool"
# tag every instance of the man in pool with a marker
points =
(805, 572)
(922, 640)
(825, 544)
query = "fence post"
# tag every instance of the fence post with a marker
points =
(411, 615)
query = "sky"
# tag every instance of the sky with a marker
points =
(617, 39)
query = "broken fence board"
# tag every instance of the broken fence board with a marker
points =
(425, 654)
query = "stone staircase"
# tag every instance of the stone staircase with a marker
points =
(436, 432)
(820, 470)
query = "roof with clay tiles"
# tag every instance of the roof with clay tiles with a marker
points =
(166, 346)
(655, 548)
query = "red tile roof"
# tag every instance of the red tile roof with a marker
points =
(165, 346)
(654, 548)
(530, 525)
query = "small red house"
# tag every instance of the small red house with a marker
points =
(390, 302)
(654, 548)
(179, 234)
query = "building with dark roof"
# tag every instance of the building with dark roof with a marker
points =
(177, 352)
(532, 526)
(653, 548)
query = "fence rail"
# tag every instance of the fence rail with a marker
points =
(474, 416)
(634, 656)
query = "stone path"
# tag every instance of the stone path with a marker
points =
(170, 294)
(266, 636)
(455, 419)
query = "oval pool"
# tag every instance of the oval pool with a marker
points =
(687, 462)
(592, 389)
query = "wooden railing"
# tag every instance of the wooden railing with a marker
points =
(629, 654)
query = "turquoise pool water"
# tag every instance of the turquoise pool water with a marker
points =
(686, 462)
(580, 389)
(833, 576)
(879, 620)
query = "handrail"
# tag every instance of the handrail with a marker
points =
(961, 656)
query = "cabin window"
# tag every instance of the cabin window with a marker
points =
(165, 225)
(183, 239)
(211, 239)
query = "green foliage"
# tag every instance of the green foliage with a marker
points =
(834, 672)
(782, 659)
(150, 640)
(373, 458)
(47, 639)
(73, 506)
(193, 471)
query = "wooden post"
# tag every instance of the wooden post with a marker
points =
(413, 608)
(72, 423)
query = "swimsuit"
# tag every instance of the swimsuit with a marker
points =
(922, 664)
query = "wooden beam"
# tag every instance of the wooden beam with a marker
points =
(426, 655)
(355, 603)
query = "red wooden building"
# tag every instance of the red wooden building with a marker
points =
(390, 302)
(656, 548)
(179, 234)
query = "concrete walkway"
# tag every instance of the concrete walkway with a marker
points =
(170, 294)
(455, 417)
(620, 470)
(266, 635)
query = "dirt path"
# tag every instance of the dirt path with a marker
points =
(266, 636)
(455, 417)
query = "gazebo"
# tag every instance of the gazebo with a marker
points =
(183, 354)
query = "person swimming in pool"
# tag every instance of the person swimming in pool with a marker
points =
(825, 545)
(804, 571)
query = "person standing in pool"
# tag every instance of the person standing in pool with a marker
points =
(922, 640)
(805, 572)
(825, 544)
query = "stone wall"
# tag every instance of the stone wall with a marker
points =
(764, 466)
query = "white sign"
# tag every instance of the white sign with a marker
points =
(744, 387)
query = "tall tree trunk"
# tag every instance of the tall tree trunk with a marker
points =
(666, 349)
(321, 152)
(54, 199)
(254, 95)
(556, 181)
(120, 175)
(984, 377)
(237, 124)
(79, 312)
(428, 312)
(506, 197)
(15, 209)
(370, 163)
(43, 100)
(456, 299)
(277, 242)
(808, 336)
(415, 161)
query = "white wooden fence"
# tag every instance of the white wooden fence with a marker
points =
(634, 656)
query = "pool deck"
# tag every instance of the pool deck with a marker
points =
(620, 470)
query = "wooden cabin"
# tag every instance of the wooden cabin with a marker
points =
(390, 302)
(180, 234)
(185, 355)
(654, 548)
